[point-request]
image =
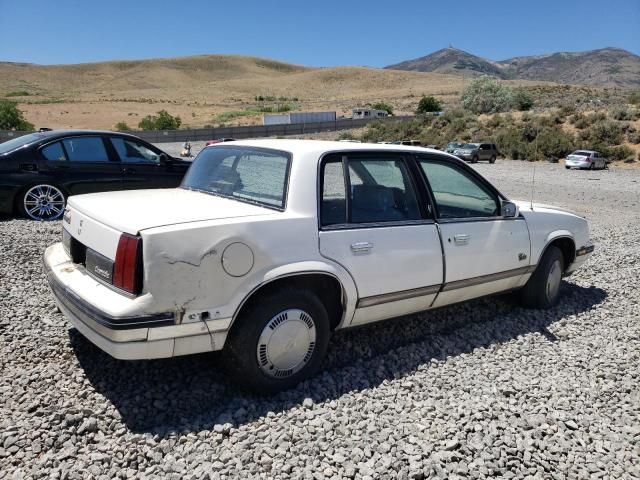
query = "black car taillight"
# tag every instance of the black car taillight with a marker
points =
(127, 271)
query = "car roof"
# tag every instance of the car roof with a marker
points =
(303, 147)
(50, 134)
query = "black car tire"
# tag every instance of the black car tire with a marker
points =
(247, 348)
(568, 168)
(542, 289)
(474, 159)
(492, 159)
(52, 198)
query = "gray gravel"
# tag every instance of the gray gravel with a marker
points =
(483, 389)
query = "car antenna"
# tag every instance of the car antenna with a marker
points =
(533, 178)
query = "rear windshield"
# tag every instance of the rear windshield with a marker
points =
(581, 152)
(15, 143)
(253, 175)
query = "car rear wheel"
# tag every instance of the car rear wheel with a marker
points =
(568, 168)
(278, 341)
(543, 288)
(591, 166)
(42, 202)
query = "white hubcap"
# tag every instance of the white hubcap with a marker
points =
(553, 279)
(44, 202)
(286, 343)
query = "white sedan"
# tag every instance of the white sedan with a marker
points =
(268, 246)
(585, 159)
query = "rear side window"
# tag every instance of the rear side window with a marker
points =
(54, 152)
(131, 151)
(379, 190)
(85, 149)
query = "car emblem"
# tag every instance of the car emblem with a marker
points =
(522, 256)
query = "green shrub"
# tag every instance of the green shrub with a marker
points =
(552, 144)
(522, 100)
(163, 121)
(122, 127)
(383, 106)
(622, 114)
(603, 132)
(633, 137)
(428, 104)
(621, 152)
(11, 118)
(634, 98)
(486, 95)
(346, 136)
(18, 93)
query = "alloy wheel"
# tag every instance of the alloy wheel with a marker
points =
(44, 202)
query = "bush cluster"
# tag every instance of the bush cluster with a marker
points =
(428, 104)
(162, 121)
(487, 95)
(11, 118)
(122, 127)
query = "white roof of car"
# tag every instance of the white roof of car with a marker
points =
(302, 147)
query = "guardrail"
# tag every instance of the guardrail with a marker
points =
(251, 131)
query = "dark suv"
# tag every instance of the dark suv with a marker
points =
(40, 170)
(474, 152)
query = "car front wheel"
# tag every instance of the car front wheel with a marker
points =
(474, 159)
(278, 341)
(492, 159)
(42, 202)
(543, 288)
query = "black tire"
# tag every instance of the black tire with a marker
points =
(591, 166)
(242, 345)
(474, 159)
(568, 168)
(537, 292)
(492, 159)
(57, 201)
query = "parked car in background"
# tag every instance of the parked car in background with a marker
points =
(39, 171)
(219, 140)
(474, 152)
(270, 245)
(412, 143)
(453, 146)
(585, 159)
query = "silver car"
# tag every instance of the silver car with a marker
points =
(585, 159)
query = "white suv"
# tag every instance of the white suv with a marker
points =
(270, 245)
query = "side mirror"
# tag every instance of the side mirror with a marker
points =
(164, 159)
(509, 209)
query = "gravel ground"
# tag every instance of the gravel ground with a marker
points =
(482, 389)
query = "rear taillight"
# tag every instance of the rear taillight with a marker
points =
(127, 271)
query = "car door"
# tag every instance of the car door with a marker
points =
(484, 252)
(144, 166)
(373, 223)
(82, 164)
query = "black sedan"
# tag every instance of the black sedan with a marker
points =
(40, 170)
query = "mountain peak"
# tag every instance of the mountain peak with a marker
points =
(609, 66)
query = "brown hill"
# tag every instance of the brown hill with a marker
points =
(201, 88)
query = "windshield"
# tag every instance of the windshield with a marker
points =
(255, 175)
(470, 146)
(454, 145)
(15, 143)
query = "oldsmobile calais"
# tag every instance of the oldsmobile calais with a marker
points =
(268, 246)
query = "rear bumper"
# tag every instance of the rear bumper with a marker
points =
(577, 164)
(131, 335)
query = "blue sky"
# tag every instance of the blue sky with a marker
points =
(316, 33)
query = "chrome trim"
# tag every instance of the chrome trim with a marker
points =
(479, 219)
(492, 277)
(360, 226)
(397, 296)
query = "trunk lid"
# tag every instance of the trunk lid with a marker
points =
(135, 210)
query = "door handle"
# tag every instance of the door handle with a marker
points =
(461, 239)
(361, 247)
